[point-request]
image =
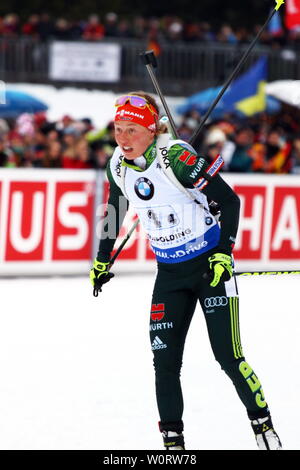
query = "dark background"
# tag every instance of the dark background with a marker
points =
(235, 12)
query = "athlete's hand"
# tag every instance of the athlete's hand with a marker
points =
(221, 269)
(99, 275)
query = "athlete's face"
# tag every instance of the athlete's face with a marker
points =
(132, 138)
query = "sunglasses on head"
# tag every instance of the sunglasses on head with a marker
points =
(135, 101)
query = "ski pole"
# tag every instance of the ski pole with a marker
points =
(208, 276)
(124, 242)
(265, 273)
(118, 251)
(148, 58)
(113, 259)
(196, 136)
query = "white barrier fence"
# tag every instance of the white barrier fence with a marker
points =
(49, 223)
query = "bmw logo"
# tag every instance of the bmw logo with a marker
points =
(144, 188)
(208, 220)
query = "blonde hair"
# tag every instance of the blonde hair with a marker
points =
(161, 128)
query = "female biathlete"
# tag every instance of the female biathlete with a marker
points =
(169, 186)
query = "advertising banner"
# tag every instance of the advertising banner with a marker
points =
(46, 221)
(50, 223)
(269, 229)
(292, 14)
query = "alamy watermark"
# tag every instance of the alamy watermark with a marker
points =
(162, 224)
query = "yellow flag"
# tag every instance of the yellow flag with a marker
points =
(278, 4)
(254, 104)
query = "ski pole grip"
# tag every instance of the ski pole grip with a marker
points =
(148, 58)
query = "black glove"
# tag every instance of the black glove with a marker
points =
(99, 275)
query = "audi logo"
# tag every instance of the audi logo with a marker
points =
(216, 301)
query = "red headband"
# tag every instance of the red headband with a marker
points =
(146, 117)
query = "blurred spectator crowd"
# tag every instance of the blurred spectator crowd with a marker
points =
(168, 28)
(31, 141)
(261, 144)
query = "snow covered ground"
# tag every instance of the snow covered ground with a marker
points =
(76, 371)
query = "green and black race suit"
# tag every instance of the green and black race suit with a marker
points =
(180, 281)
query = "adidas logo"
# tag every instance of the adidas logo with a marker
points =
(158, 344)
